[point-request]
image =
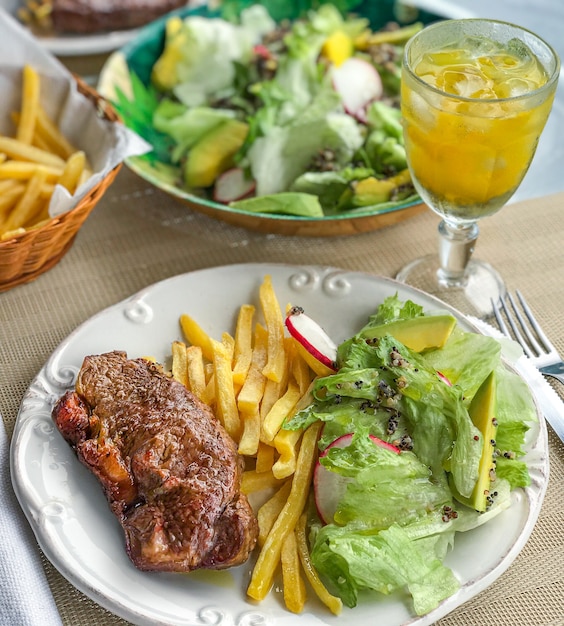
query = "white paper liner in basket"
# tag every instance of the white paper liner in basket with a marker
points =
(106, 144)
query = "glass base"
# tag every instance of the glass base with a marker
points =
(472, 295)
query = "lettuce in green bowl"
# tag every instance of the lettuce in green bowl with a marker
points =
(251, 118)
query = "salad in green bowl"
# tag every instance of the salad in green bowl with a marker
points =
(292, 118)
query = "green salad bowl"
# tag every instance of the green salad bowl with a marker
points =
(138, 57)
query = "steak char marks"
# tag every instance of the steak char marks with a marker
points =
(169, 470)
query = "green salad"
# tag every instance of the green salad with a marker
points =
(417, 446)
(293, 117)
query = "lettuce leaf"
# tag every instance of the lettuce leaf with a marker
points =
(466, 360)
(386, 561)
(515, 410)
(199, 55)
(288, 203)
(285, 152)
(390, 375)
(515, 472)
(186, 126)
(393, 309)
(386, 488)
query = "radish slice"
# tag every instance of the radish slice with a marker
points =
(444, 378)
(329, 487)
(358, 83)
(317, 348)
(233, 185)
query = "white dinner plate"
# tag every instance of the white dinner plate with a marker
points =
(76, 45)
(84, 45)
(84, 541)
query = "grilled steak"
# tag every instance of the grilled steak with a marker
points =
(169, 470)
(91, 16)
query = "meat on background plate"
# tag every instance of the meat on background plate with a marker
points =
(94, 16)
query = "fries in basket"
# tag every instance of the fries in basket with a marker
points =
(254, 380)
(32, 162)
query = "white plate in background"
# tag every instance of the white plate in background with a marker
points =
(76, 45)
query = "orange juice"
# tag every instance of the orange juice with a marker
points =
(472, 119)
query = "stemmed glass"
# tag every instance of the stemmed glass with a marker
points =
(476, 94)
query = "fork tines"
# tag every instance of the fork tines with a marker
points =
(524, 327)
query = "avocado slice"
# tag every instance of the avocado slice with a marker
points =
(482, 414)
(164, 73)
(418, 333)
(214, 152)
(373, 190)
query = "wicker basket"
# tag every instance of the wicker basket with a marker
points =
(27, 255)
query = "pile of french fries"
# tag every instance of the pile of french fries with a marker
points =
(254, 379)
(33, 162)
(36, 13)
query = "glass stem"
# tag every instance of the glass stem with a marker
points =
(456, 245)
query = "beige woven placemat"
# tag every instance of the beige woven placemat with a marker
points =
(137, 236)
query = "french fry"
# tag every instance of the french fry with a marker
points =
(85, 176)
(195, 370)
(252, 481)
(334, 604)
(209, 393)
(279, 411)
(51, 136)
(275, 367)
(24, 170)
(30, 105)
(20, 151)
(265, 458)
(273, 391)
(269, 556)
(29, 204)
(11, 233)
(196, 335)
(7, 185)
(38, 152)
(9, 197)
(242, 353)
(285, 443)
(251, 393)
(229, 343)
(72, 171)
(40, 143)
(250, 437)
(208, 369)
(293, 583)
(226, 404)
(179, 362)
(39, 224)
(301, 372)
(270, 510)
(47, 190)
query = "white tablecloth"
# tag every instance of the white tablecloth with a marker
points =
(25, 597)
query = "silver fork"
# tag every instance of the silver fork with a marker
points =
(523, 327)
